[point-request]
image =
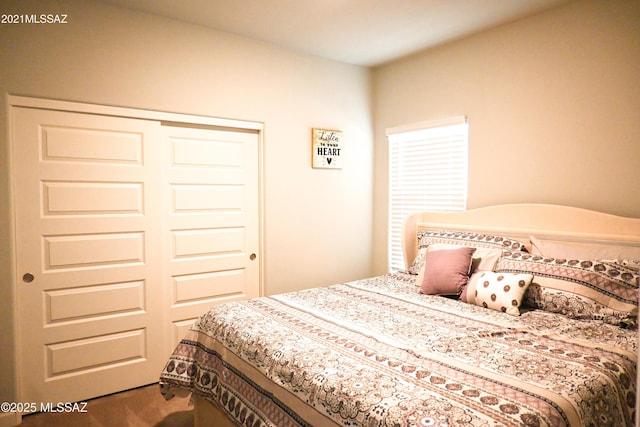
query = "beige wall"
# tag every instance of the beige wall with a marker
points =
(318, 222)
(553, 104)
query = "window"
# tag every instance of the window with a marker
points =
(427, 171)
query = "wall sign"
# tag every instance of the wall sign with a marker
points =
(326, 148)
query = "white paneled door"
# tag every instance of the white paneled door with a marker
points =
(126, 230)
(212, 221)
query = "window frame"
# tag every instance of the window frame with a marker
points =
(432, 153)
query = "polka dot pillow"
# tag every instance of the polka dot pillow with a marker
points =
(498, 291)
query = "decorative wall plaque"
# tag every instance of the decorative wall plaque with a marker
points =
(327, 148)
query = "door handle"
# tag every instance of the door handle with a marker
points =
(28, 277)
(252, 257)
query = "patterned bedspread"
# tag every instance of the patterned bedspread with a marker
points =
(376, 353)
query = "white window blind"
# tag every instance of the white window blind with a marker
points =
(427, 172)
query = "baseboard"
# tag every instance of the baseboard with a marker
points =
(10, 419)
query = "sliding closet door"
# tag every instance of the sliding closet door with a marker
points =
(212, 225)
(126, 230)
(89, 291)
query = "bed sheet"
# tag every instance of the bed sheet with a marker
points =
(375, 352)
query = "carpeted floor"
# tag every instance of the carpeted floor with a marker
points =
(140, 407)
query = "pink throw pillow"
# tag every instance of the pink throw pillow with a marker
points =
(446, 271)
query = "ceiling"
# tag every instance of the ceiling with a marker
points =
(360, 32)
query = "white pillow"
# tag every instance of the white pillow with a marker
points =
(498, 291)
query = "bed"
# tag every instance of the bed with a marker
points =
(510, 315)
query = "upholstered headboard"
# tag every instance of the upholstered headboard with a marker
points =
(560, 223)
